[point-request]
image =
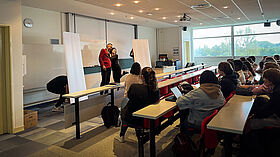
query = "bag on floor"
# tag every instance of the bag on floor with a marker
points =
(110, 115)
(184, 146)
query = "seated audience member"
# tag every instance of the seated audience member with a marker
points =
(253, 58)
(250, 72)
(261, 64)
(277, 58)
(58, 85)
(269, 59)
(231, 62)
(140, 96)
(258, 141)
(266, 87)
(253, 64)
(238, 68)
(229, 79)
(133, 78)
(242, 59)
(202, 101)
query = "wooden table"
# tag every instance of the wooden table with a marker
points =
(153, 112)
(179, 71)
(232, 118)
(77, 95)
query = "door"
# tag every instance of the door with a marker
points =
(5, 81)
(187, 51)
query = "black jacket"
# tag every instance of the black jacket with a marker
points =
(228, 84)
(273, 106)
(139, 97)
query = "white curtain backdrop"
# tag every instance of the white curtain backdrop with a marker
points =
(74, 63)
(142, 52)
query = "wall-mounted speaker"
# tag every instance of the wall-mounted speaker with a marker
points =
(278, 22)
(184, 28)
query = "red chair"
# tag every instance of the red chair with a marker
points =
(230, 96)
(163, 91)
(208, 138)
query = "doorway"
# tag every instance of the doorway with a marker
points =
(187, 51)
(5, 81)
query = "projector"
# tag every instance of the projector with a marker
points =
(267, 24)
(185, 18)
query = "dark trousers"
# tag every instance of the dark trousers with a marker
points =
(105, 77)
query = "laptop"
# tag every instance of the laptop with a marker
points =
(177, 93)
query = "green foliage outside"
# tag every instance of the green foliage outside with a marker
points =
(244, 46)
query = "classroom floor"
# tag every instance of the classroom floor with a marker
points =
(50, 139)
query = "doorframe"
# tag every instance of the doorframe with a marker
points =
(6, 46)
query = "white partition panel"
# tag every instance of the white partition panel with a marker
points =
(141, 52)
(121, 36)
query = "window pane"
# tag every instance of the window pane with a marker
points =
(212, 47)
(212, 32)
(255, 29)
(257, 45)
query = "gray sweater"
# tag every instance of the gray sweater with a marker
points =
(201, 102)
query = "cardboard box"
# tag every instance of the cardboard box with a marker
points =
(30, 118)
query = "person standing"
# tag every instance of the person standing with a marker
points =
(115, 65)
(105, 65)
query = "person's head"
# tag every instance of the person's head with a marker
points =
(250, 60)
(243, 59)
(276, 57)
(253, 58)
(150, 78)
(225, 68)
(113, 51)
(264, 57)
(237, 65)
(250, 68)
(208, 77)
(271, 65)
(272, 76)
(135, 69)
(109, 46)
(270, 59)
(230, 60)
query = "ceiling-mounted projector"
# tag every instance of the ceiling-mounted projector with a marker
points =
(185, 18)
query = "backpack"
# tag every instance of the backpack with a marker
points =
(184, 146)
(185, 87)
(110, 115)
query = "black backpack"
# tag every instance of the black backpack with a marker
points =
(184, 146)
(110, 115)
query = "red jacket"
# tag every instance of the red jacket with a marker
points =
(104, 58)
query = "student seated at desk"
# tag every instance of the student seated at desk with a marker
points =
(258, 139)
(238, 68)
(140, 96)
(202, 101)
(133, 78)
(229, 78)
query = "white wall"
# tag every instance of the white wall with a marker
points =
(167, 39)
(10, 12)
(150, 34)
(46, 26)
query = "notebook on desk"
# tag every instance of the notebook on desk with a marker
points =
(177, 93)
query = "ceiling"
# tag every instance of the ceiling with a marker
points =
(221, 12)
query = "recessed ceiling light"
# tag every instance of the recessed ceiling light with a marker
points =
(112, 13)
(164, 18)
(225, 7)
(150, 14)
(118, 4)
(131, 17)
(201, 23)
(136, 2)
(157, 9)
(178, 16)
(140, 11)
(175, 21)
(239, 18)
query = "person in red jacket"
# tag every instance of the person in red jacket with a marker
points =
(105, 64)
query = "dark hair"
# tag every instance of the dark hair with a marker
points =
(273, 75)
(150, 78)
(226, 68)
(249, 66)
(276, 57)
(253, 58)
(112, 50)
(208, 77)
(270, 59)
(237, 65)
(135, 68)
(244, 67)
(271, 65)
(242, 59)
(250, 60)
(230, 60)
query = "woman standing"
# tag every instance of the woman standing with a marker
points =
(115, 65)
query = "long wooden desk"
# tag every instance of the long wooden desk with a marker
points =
(180, 71)
(232, 118)
(184, 77)
(77, 95)
(153, 112)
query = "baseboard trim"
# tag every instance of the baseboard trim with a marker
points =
(18, 129)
